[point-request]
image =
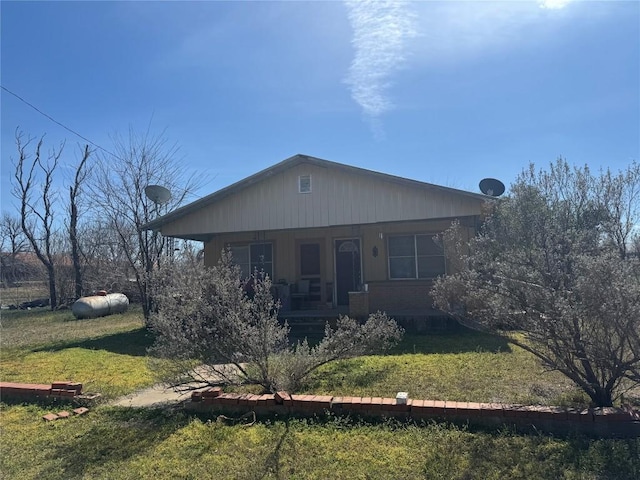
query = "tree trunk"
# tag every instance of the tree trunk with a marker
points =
(53, 297)
(74, 191)
(601, 397)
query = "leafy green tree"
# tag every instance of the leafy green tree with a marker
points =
(554, 271)
(210, 330)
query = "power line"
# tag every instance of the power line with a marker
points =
(70, 129)
(56, 121)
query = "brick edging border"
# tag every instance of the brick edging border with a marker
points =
(607, 421)
(56, 391)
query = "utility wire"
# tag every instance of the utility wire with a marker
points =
(55, 121)
(71, 130)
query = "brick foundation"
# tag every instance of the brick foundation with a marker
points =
(359, 304)
(400, 295)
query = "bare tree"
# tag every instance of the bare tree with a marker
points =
(119, 196)
(105, 266)
(74, 193)
(37, 210)
(12, 243)
(209, 330)
(551, 273)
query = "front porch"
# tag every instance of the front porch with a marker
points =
(312, 322)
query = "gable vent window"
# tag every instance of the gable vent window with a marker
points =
(304, 184)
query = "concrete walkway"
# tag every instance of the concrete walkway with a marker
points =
(155, 396)
(161, 395)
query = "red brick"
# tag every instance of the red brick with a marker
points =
(416, 407)
(465, 409)
(50, 417)
(356, 403)
(342, 403)
(436, 407)
(60, 384)
(212, 392)
(516, 411)
(39, 386)
(68, 393)
(387, 403)
(452, 406)
(399, 407)
(266, 400)
(229, 398)
(303, 401)
(376, 404)
(81, 410)
(211, 401)
(64, 414)
(611, 414)
(251, 399)
(474, 406)
(574, 415)
(547, 413)
(491, 410)
(75, 386)
(30, 389)
(281, 397)
(320, 403)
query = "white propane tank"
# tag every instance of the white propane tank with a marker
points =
(100, 305)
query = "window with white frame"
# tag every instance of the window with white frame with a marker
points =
(415, 256)
(304, 184)
(255, 256)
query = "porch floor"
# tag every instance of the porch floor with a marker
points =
(311, 323)
(344, 310)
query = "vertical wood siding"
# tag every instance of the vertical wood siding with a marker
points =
(337, 198)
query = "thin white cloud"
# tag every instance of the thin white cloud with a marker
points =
(452, 32)
(380, 32)
(554, 4)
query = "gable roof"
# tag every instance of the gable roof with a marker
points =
(287, 165)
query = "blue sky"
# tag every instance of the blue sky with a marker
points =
(444, 92)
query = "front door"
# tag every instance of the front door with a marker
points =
(348, 269)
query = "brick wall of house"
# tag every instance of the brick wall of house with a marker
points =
(400, 295)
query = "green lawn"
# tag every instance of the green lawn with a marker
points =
(119, 443)
(109, 356)
(468, 366)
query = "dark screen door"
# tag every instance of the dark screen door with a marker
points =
(348, 272)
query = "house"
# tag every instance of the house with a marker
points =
(343, 236)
